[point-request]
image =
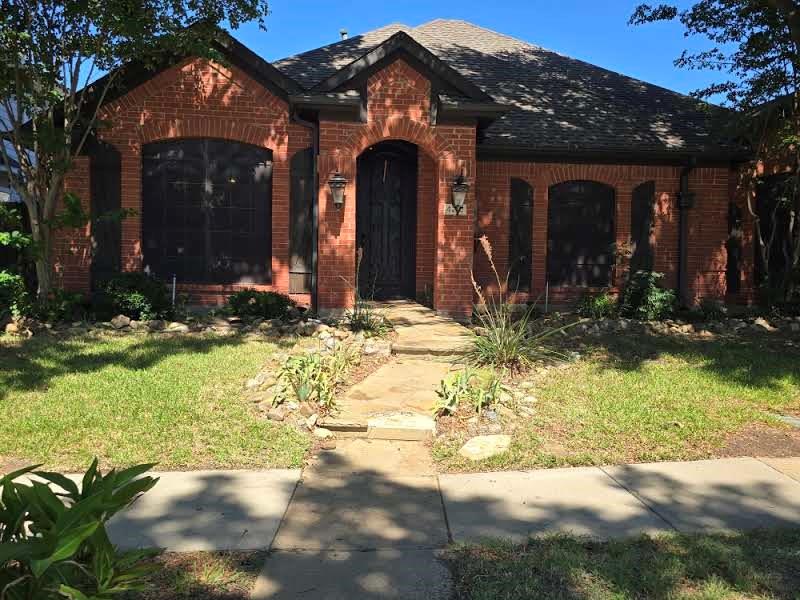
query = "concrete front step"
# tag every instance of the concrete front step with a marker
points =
(429, 350)
(397, 426)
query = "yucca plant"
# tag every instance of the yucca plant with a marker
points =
(506, 340)
(53, 541)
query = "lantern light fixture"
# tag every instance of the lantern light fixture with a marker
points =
(337, 183)
(460, 189)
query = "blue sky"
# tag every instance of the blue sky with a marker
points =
(596, 31)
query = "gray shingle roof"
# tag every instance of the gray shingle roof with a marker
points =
(560, 104)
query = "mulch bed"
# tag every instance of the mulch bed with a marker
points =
(759, 439)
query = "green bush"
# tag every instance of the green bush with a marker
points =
(136, 295)
(643, 298)
(14, 299)
(62, 305)
(712, 310)
(53, 542)
(597, 306)
(267, 305)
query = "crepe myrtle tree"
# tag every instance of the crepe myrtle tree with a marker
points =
(754, 47)
(53, 52)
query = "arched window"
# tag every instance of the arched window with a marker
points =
(206, 211)
(580, 234)
(520, 236)
(642, 220)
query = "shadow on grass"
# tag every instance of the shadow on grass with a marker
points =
(761, 361)
(712, 566)
(31, 364)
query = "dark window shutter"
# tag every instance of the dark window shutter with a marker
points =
(642, 220)
(520, 236)
(207, 211)
(733, 279)
(106, 203)
(301, 199)
(580, 234)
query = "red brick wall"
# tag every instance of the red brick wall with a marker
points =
(197, 98)
(398, 107)
(708, 225)
(426, 225)
(72, 251)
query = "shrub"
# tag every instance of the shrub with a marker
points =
(62, 305)
(712, 310)
(314, 377)
(267, 305)
(506, 340)
(136, 295)
(645, 299)
(597, 306)
(14, 299)
(55, 543)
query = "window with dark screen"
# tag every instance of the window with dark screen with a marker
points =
(580, 234)
(642, 220)
(206, 211)
(520, 236)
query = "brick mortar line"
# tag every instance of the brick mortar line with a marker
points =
(640, 499)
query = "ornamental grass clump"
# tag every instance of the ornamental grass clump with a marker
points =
(506, 339)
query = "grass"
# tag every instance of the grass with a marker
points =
(639, 398)
(129, 399)
(209, 575)
(742, 566)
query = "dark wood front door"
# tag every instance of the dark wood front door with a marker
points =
(386, 219)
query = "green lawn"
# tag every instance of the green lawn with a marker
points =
(138, 398)
(744, 566)
(639, 398)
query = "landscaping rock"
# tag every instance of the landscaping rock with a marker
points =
(307, 409)
(120, 322)
(485, 446)
(156, 325)
(761, 324)
(378, 347)
(794, 327)
(276, 413)
(322, 433)
(311, 421)
(176, 327)
(262, 379)
(328, 444)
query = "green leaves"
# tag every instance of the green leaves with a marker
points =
(52, 535)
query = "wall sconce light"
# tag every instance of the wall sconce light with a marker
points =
(337, 183)
(460, 189)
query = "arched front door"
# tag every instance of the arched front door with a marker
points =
(386, 208)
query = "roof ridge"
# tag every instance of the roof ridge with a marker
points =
(482, 28)
(399, 25)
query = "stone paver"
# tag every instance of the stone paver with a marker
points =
(347, 575)
(421, 331)
(207, 510)
(737, 493)
(582, 501)
(787, 466)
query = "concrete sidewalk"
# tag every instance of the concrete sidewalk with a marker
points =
(366, 519)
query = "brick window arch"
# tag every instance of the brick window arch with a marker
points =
(206, 211)
(580, 234)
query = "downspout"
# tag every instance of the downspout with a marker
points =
(314, 128)
(685, 202)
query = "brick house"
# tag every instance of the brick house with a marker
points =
(436, 135)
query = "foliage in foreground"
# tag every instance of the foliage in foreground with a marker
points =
(53, 544)
(14, 300)
(757, 565)
(506, 339)
(481, 388)
(645, 299)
